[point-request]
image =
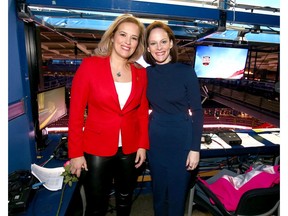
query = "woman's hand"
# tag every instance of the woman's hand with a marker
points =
(192, 160)
(77, 164)
(140, 157)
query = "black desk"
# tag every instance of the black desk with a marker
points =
(45, 202)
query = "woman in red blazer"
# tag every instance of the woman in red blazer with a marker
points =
(111, 142)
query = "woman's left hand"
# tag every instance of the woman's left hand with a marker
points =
(192, 160)
(140, 157)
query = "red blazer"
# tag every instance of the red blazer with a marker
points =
(93, 86)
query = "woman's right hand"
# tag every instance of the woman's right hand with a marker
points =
(77, 164)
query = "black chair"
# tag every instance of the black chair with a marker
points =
(256, 202)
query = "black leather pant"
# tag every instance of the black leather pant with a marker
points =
(105, 173)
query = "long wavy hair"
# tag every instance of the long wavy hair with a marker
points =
(173, 51)
(105, 45)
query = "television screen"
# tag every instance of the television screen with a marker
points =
(220, 62)
(51, 106)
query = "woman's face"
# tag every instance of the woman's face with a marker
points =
(159, 45)
(125, 39)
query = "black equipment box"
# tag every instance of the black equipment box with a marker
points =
(230, 137)
(20, 190)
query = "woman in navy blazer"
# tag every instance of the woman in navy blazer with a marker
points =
(176, 121)
(111, 142)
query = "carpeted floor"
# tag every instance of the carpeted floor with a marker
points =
(142, 206)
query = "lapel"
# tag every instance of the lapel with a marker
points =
(111, 85)
(110, 81)
(134, 87)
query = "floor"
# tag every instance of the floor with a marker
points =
(142, 203)
(142, 206)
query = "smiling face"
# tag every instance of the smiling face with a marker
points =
(125, 40)
(159, 45)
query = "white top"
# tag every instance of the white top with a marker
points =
(123, 90)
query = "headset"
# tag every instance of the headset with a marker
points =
(61, 151)
(206, 139)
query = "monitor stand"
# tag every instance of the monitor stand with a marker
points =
(41, 139)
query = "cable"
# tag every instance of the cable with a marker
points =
(47, 161)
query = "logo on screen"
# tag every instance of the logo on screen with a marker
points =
(206, 60)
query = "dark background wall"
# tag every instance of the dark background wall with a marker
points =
(21, 141)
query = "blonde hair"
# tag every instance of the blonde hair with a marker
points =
(105, 45)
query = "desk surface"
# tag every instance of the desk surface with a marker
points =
(45, 202)
(253, 142)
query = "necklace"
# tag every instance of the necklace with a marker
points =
(118, 74)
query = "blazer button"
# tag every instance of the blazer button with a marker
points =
(121, 114)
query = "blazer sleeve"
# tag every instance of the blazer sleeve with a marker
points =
(143, 113)
(194, 97)
(78, 103)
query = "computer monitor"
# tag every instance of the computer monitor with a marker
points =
(52, 106)
(220, 62)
